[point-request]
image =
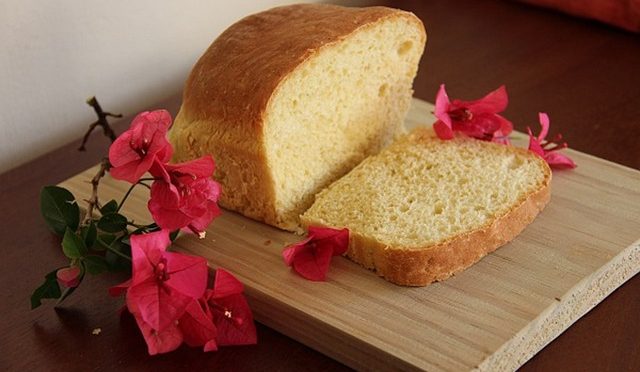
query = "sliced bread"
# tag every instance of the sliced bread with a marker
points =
(290, 99)
(424, 209)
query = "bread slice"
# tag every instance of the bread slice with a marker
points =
(291, 99)
(424, 209)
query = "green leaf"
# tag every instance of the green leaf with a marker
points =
(104, 240)
(174, 235)
(49, 289)
(110, 207)
(59, 209)
(95, 264)
(72, 245)
(89, 234)
(115, 262)
(112, 222)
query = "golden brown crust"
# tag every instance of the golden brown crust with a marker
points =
(424, 265)
(235, 78)
(229, 88)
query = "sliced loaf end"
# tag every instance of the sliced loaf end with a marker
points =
(424, 209)
(342, 104)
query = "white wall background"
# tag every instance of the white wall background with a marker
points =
(130, 54)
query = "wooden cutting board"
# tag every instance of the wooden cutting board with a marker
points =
(493, 316)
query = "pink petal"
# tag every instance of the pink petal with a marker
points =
(234, 321)
(159, 171)
(312, 261)
(338, 240)
(120, 151)
(165, 194)
(201, 203)
(482, 126)
(160, 119)
(225, 284)
(506, 127)
(544, 123)
(165, 153)
(211, 346)
(290, 251)
(164, 205)
(160, 147)
(198, 168)
(201, 223)
(164, 341)
(559, 161)
(492, 103)
(187, 274)
(534, 144)
(443, 131)
(158, 305)
(131, 172)
(143, 244)
(442, 107)
(69, 276)
(197, 328)
(119, 289)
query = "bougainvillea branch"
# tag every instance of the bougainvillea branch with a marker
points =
(93, 201)
(167, 292)
(102, 122)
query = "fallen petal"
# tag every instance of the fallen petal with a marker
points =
(559, 161)
(442, 107)
(443, 131)
(493, 103)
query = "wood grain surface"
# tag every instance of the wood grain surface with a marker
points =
(584, 74)
(493, 316)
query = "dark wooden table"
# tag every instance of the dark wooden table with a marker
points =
(585, 75)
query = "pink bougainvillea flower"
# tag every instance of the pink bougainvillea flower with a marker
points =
(478, 119)
(69, 276)
(312, 256)
(184, 195)
(230, 312)
(163, 283)
(546, 149)
(134, 151)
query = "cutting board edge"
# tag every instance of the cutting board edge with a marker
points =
(263, 307)
(560, 315)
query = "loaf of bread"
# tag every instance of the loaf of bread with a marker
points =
(289, 100)
(424, 209)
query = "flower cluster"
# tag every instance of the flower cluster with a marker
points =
(183, 196)
(480, 119)
(167, 293)
(169, 299)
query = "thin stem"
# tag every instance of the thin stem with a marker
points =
(113, 250)
(124, 198)
(126, 195)
(131, 223)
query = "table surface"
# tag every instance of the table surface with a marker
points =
(584, 74)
